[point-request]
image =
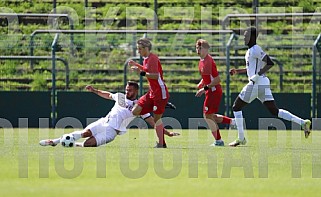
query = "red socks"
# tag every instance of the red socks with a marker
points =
(226, 120)
(217, 134)
(160, 133)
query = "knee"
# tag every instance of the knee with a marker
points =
(274, 111)
(238, 104)
(158, 119)
(210, 116)
(236, 108)
(206, 116)
(90, 142)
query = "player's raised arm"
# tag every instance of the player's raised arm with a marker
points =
(101, 93)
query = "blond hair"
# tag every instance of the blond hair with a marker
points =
(202, 43)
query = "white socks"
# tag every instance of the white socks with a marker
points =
(282, 114)
(290, 117)
(239, 124)
(56, 141)
(77, 134)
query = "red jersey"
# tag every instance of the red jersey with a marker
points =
(157, 87)
(208, 70)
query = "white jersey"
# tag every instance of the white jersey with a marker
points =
(121, 113)
(253, 59)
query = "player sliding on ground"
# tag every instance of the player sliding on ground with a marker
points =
(257, 64)
(106, 129)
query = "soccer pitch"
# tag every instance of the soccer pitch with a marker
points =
(273, 163)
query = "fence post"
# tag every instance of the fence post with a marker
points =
(314, 76)
(155, 15)
(228, 46)
(53, 71)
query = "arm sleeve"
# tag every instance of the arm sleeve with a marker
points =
(258, 53)
(152, 66)
(119, 98)
(114, 96)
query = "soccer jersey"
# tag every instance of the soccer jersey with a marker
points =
(261, 89)
(254, 60)
(208, 70)
(121, 113)
(157, 87)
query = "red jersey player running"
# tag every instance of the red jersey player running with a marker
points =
(156, 98)
(210, 85)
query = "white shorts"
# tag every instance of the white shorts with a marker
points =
(102, 131)
(261, 90)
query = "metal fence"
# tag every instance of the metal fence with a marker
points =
(72, 43)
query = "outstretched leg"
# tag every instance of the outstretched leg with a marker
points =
(286, 115)
(170, 133)
(224, 119)
(76, 134)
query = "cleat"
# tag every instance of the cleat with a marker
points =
(171, 134)
(238, 142)
(170, 105)
(218, 143)
(158, 145)
(47, 143)
(306, 127)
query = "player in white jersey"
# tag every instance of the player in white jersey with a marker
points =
(257, 64)
(107, 128)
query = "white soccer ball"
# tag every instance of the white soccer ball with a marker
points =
(67, 140)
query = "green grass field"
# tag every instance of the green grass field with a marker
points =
(273, 163)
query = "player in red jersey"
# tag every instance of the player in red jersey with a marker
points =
(210, 85)
(157, 97)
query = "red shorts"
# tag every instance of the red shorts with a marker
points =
(155, 105)
(212, 101)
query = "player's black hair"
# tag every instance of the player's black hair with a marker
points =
(134, 84)
(253, 31)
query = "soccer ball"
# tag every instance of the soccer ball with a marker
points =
(67, 140)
